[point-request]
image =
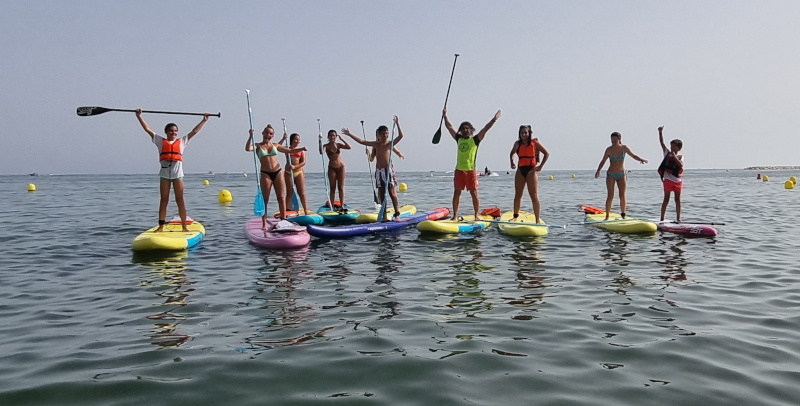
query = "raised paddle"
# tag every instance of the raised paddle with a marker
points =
(295, 199)
(369, 163)
(258, 205)
(438, 135)
(324, 171)
(95, 110)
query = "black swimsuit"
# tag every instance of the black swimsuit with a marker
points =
(272, 175)
(525, 170)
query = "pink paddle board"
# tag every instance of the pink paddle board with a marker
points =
(692, 230)
(278, 239)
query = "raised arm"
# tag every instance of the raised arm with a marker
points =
(144, 124)
(602, 163)
(661, 138)
(634, 156)
(399, 130)
(358, 140)
(449, 125)
(345, 145)
(514, 150)
(197, 128)
(249, 145)
(545, 155)
(485, 129)
(398, 153)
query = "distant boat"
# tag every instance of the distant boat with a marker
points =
(34, 174)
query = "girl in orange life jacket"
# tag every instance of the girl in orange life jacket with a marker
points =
(616, 171)
(671, 169)
(170, 151)
(527, 150)
(267, 153)
(294, 173)
(336, 171)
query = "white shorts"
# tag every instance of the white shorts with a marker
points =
(382, 175)
(171, 170)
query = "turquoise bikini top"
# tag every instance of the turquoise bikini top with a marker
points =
(612, 159)
(261, 153)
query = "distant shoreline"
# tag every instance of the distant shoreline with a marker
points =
(771, 168)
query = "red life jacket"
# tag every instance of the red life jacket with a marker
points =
(527, 154)
(171, 152)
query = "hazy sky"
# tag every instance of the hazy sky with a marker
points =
(724, 76)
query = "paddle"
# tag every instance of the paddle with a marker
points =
(438, 135)
(369, 163)
(324, 174)
(382, 211)
(582, 223)
(686, 223)
(295, 199)
(258, 205)
(520, 223)
(95, 111)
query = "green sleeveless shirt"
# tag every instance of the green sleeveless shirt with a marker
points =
(467, 151)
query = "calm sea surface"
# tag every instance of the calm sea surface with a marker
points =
(580, 317)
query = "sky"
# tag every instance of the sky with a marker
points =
(723, 76)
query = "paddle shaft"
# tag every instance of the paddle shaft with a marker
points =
(324, 170)
(447, 96)
(520, 223)
(257, 205)
(295, 198)
(94, 110)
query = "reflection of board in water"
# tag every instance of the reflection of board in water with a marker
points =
(168, 275)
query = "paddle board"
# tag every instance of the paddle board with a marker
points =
(616, 223)
(285, 236)
(362, 229)
(687, 229)
(465, 224)
(520, 230)
(366, 218)
(299, 217)
(172, 238)
(348, 215)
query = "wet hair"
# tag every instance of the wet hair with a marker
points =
(469, 125)
(168, 126)
(381, 129)
(616, 134)
(268, 127)
(331, 132)
(293, 137)
(522, 127)
(677, 142)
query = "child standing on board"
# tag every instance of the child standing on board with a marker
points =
(671, 169)
(616, 171)
(336, 171)
(465, 175)
(170, 152)
(384, 174)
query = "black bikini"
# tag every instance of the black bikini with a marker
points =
(272, 175)
(525, 170)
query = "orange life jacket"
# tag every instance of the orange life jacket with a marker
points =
(527, 154)
(171, 152)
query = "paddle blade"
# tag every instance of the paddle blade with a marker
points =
(375, 197)
(437, 136)
(258, 205)
(295, 202)
(92, 111)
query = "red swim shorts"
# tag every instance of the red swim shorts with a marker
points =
(466, 180)
(670, 186)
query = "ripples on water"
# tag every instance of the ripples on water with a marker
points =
(578, 317)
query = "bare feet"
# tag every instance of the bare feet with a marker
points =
(186, 230)
(159, 229)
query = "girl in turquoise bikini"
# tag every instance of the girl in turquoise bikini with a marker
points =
(616, 171)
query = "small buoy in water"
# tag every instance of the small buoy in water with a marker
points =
(789, 184)
(551, 177)
(758, 176)
(431, 175)
(205, 182)
(31, 187)
(225, 196)
(793, 179)
(403, 187)
(245, 175)
(573, 176)
(766, 178)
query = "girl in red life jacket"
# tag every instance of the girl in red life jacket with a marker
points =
(671, 169)
(267, 153)
(170, 151)
(527, 150)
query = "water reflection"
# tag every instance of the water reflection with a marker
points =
(672, 258)
(466, 293)
(277, 289)
(528, 262)
(168, 276)
(616, 253)
(387, 262)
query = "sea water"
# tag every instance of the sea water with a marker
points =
(581, 316)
